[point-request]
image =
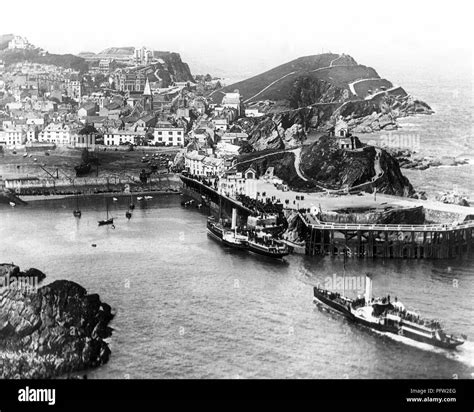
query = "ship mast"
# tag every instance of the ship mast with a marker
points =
(344, 272)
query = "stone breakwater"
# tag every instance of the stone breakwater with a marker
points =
(51, 330)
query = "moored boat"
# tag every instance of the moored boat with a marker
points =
(214, 229)
(77, 212)
(108, 220)
(235, 240)
(104, 222)
(264, 244)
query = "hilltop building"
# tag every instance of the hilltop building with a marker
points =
(343, 136)
(142, 56)
(19, 42)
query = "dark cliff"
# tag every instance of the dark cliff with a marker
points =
(335, 168)
(173, 68)
(50, 330)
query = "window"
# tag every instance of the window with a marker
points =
(170, 133)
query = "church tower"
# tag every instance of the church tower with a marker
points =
(147, 97)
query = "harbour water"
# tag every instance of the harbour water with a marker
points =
(188, 308)
(448, 132)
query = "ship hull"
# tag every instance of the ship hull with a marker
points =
(430, 341)
(345, 309)
(214, 232)
(263, 251)
(239, 246)
(342, 309)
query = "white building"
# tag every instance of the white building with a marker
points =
(252, 113)
(168, 135)
(201, 165)
(19, 42)
(220, 123)
(234, 184)
(142, 56)
(13, 136)
(35, 121)
(121, 137)
(57, 133)
(32, 134)
(233, 100)
(74, 90)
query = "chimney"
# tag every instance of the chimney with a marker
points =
(368, 287)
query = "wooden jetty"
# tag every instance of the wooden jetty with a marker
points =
(437, 241)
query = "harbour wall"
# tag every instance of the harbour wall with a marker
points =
(89, 185)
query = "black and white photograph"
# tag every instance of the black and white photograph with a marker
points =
(256, 194)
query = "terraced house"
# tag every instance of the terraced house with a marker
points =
(61, 134)
(12, 136)
(168, 135)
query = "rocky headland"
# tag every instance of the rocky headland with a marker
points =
(309, 94)
(324, 166)
(367, 168)
(51, 330)
(408, 159)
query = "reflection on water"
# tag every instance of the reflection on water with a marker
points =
(186, 307)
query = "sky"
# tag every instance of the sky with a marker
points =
(245, 37)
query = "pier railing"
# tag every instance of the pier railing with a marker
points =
(435, 241)
(387, 228)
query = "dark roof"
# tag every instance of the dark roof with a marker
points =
(113, 106)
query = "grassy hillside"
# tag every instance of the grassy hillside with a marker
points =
(319, 71)
(251, 86)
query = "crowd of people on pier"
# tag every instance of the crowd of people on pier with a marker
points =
(270, 206)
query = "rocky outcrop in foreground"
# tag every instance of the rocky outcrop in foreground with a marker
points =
(50, 330)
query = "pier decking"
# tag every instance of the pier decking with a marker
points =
(213, 195)
(434, 241)
(430, 241)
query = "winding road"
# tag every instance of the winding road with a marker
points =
(351, 85)
(271, 84)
